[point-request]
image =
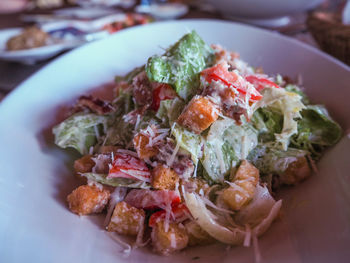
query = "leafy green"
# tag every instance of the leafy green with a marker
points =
(124, 103)
(181, 64)
(225, 145)
(297, 90)
(316, 130)
(170, 110)
(289, 104)
(270, 159)
(188, 141)
(103, 179)
(268, 121)
(80, 131)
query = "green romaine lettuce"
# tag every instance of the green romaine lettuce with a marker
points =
(80, 131)
(188, 141)
(226, 144)
(316, 130)
(270, 159)
(181, 64)
(268, 122)
(289, 104)
(102, 178)
(297, 90)
(170, 110)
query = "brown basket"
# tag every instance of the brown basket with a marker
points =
(331, 35)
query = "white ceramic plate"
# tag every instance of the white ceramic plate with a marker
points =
(36, 176)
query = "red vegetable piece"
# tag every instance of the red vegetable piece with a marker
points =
(178, 213)
(161, 92)
(152, 199)
(128, 166)
(260, 83)
(219, 72)
(228, 78)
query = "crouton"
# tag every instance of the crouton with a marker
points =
(199, 114)
(88, 199)
(144, 151)
(296, 172)
(242, 189)
(166, 241)
(84, 164)
(196, 235)
(126, 219)
(197, 185)
(164, 178)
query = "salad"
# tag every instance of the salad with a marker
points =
(192, 148)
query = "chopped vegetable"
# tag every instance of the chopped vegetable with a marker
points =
(180, 65)
(151, 199)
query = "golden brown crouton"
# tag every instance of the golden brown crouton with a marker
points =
(142, 148)
(296, 172)
(84, 164)
(164, 178)
(199, 114)
(165, 242)
(242, 189)
(197, 236)
(197, 185)
(88, 199)
(126, 219)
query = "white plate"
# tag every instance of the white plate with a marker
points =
(30, 56)
(36, 176)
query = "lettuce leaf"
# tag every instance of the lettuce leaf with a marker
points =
(80, 131)
(170, 110)
(226, 144)
(125, 182)
(268, 122)
(316, 130)
(290, 106)
(188, 141)
(181, 64)
(270, 159)
(296, 89)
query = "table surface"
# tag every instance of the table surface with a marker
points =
(12, 74)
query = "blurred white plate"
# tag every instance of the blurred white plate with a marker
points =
(30, 56)
(164, 11)
(35, 223)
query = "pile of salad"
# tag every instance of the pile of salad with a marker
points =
(192, 148)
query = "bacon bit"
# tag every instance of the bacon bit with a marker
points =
(178, 214)
(94, 104)
(133, 116)
(127, 166)
(161, 91)
(142, 89)
(152, 199)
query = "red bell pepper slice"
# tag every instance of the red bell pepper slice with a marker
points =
(228, 78)
(128, 166)
(152, 199)
(260, 83)
(162, 91)
(178, 213)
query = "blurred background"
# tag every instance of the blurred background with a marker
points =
(33, 32)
